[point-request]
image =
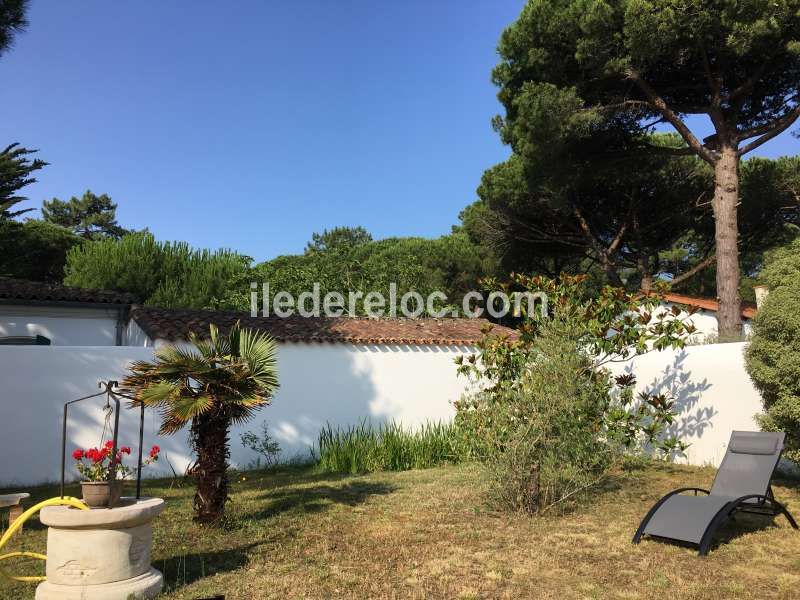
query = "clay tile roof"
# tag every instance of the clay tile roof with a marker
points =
(173, 325)
(37, 291)
(749, 309)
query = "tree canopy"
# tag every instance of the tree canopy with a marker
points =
(16, 171)
(12, 21)
(90, 216)
(34, 250)
(338, 238)
(582, 77)
(168, 274)
(631, 221)
(451, 264)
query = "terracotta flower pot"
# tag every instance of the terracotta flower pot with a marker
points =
(101, 494)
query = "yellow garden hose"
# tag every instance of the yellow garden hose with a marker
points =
(58, 501)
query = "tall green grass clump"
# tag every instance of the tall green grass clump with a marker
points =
(388, 447)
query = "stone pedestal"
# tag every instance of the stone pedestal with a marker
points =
(102, 553)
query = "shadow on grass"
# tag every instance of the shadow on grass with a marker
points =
(318, 498)
(182, 570)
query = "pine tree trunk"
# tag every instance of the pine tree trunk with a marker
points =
(726, 199)
(210, 442)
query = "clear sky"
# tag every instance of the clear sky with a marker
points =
(252, 124)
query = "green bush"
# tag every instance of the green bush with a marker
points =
(167, 274)
(388, 447)
(773, 355)
(34, 250)
(547, 418)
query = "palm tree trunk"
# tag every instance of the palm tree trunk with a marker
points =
(210, 442)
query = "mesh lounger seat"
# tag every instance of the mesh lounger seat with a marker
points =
(742, 484)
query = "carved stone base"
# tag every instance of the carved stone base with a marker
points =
(101, 553)
(137, 588)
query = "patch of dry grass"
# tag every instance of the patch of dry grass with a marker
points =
(423, 534)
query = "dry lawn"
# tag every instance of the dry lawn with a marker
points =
(429, 534)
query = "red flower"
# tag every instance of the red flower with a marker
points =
(125, 449)
(78, 454)
(109, 444)
(154, 451)
(94, 455)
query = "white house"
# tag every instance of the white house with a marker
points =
(32, 312)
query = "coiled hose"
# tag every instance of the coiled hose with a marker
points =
(58, 501)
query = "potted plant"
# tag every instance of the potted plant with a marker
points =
(103, 473)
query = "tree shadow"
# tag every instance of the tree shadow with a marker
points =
(318, 498)
(182, 570)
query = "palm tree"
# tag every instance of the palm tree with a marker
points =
(12, 21)
(219, 382)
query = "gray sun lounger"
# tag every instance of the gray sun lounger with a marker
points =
(742, 484)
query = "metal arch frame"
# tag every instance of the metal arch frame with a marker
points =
(107, 388)
(640, 531)
(766, 506)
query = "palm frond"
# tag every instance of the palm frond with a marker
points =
(234, 372)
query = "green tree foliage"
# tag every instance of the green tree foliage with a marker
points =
(545, 415)
(219, 382)
(618, 218)
(769, 217)
(168, 274)
(12, 21)
(34, 250)
(773, 355)
(338, 238)
(92, 217)
(16, 169)
(353, 263)
(587, 80)
(631, 221)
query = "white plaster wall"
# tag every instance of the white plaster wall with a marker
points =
(341, 384)
(320, 383)
(338, 384)
(714, 395)
(35, 381)
(63, 326)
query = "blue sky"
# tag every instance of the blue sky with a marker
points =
(253, 124)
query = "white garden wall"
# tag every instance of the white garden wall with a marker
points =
(330, 383)
(714, 394)
(320, 383)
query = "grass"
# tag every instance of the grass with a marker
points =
(420, 534)
(365, 448)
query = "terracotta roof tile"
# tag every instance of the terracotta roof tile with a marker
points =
(749, 309)
(37, 291)
(173, 325)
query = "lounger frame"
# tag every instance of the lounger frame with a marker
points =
(764, 505)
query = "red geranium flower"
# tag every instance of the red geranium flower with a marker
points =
(78, 454)
(109, 444)
(96, 455)
(125, 449)
(154, 451)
